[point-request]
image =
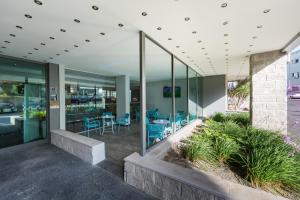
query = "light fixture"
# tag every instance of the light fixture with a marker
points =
(38, 2)
(43, 44)
(194, 32)
(7, 41)
(187, 19)
(251, 45)
(12, 35)
(24, 56)
(226, 49)
(50, 57)
(254, 37)
(199, 41)
(66, 50)
(28, 16)
(58, 54)
(202, 48)
(87, 40)
(29, 53)
(120, 25)
(36, 49)
(169, 38)
(226, 43)
(95, 7)
(225, 23)
(77, 20)
(3, 47)
(144, 14)
(102, 33)
(226, 35)
(266, 11)
(259, 26)
(75, 45)
(158, 28)
(63, 30)
(224, 5)
(51, 38)
(183, 52)
(19, 27)
(177, 46)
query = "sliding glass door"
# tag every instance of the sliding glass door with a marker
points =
(22, 102)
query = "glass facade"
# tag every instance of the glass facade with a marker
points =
(22, 102)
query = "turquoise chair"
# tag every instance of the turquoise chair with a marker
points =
(123, 121)
(91, 124)
(155, 131)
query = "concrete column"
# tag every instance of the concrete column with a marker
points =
(214, 94)
(123, 95)
(268, 72)
(56, 89)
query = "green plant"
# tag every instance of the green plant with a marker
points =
(241, 118)
(218, 117)
(240, 92)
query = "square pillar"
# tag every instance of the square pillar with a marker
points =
(123, 95)
(56, 91)
(268, 104)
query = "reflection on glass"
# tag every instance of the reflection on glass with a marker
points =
(193, 94)
(88, 95)
(181, 108)
(158, 94)
(22, 102)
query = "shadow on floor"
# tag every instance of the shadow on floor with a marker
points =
(41, 171)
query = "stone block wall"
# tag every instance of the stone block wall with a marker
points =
(268, 73)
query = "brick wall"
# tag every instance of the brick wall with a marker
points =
(268, 72)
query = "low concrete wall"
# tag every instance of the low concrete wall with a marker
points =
(87, 149)
(168, 181)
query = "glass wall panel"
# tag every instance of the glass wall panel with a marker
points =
(158, 93)
(87, 95)
(181, 92)
(200, 96)
(192, 94)
(22, 102)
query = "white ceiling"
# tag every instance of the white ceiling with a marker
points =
(117, 52)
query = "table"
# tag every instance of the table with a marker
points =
(161, 121)
(108, 121)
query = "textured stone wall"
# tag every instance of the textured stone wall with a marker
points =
(268, 73)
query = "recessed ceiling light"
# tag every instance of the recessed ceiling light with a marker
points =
(249, 51)
(158, 28)
(187, 19)
(144, 14)
(226, 43)
(254, 37)
(202, 48)
(87, 40)
(95, 7)
(63, 30)
(58, 54)
(36, 49)
(226, 54)
(28, 16)
(194, 32)
(199, 41)
(75, 45)
(266, 11)
(183, 52)
(226, 49)
(38, 2)
(51, 38)
(251, 45)
(102, 33)
(3, 47)
(50, 57)
(177, 46)
(205, 54)
(12, 35)
(19, 27)
(66, 50)
(7, 41)
(225, 23)
(225, 35)
(29, 53)
(169, 38)
(187, 57)
(120, 25)
(43, 44)
(24, 56)
(224, 5)
(259, 26)
(77, 20)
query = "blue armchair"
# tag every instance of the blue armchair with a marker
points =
(91, 124)
(155, 131)
(124, 121)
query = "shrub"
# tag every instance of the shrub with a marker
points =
(267, 161)
(242, 118)
(219, 117)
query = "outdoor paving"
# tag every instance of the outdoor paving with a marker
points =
(294, 119)
(42, 171)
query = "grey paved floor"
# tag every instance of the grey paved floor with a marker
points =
(294, 119)
(42, 171)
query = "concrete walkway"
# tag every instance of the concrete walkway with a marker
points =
(42, 171)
